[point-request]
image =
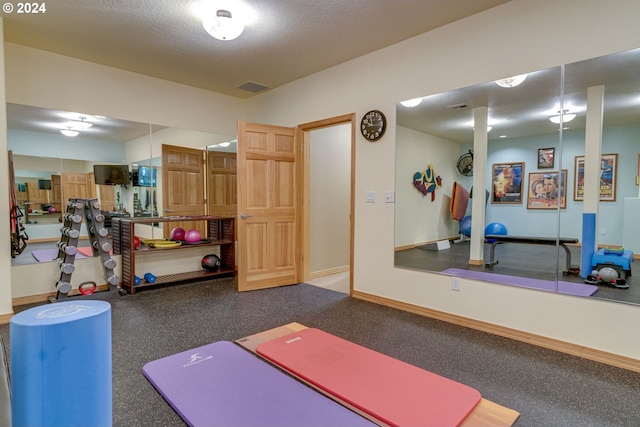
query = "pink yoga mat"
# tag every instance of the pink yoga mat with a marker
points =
(388, 389)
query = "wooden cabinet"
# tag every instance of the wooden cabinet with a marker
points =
(220, 233)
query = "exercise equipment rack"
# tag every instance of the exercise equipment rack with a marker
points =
(89, 210)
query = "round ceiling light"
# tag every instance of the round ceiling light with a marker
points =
(511, 81)
(223, 26)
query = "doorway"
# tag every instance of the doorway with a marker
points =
(328, 203)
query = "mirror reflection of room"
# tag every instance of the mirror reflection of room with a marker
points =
(532, 177)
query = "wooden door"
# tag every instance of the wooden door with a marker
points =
(183, 186)
(76, 186)
(107, 198)
(222, 186)
(268, 227)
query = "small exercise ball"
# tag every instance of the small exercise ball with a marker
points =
(192, 236)
(177, 233)
(495, 228)
(136, 242)
(53, 210)
(608, 275)
(465, 226)
(211, 262)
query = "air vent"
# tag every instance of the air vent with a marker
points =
(461, 106)
(253, 87)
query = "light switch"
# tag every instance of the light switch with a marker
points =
(390, 197)
(371, 196)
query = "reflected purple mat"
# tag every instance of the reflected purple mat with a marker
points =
(48, 255)
(569, 288)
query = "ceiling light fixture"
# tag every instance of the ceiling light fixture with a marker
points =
(224, 144)
(511, 81)
(69, 132)
(410, 103)
(564, 117)
(223, 26)
(79, 124)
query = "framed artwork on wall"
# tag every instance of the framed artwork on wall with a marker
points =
(546, 190)
(546, 158)
(506, 184)
(608, 178)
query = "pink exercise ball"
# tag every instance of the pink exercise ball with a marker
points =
(177, 234)
(192, 236)
(53, 210)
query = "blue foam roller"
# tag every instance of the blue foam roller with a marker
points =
(588, 243)
(61, 365)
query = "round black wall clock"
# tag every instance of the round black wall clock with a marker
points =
(373, 125)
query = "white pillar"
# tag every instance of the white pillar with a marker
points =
(480, 138)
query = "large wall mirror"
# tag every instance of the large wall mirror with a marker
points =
(532, 176)
(118, 162)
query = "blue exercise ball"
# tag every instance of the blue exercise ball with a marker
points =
(495, 228)
(465, 226)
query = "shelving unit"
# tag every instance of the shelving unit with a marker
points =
(220, 232)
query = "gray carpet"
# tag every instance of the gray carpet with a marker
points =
(546, 387)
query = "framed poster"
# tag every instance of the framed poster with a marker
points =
(547, 189)
(507, 182)
(608, 178)
(546, 158)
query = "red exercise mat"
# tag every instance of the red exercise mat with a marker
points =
(388, 389)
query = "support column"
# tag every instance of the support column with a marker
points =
(480, 138)
(592, 168)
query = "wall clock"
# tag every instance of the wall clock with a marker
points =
(373, 125)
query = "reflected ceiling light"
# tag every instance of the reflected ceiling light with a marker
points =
(410, 103)
(79, 124)
(69, 132)
(224, 144)
(511, 81)
(565, 117)
(222, 26)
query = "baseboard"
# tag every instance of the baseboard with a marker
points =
(329, 272)
(607, 358)
(6, 318)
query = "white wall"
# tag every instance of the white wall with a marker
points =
(510, 39)
(330, 204)
(417, 218)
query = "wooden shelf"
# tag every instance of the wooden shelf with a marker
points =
(220, 232)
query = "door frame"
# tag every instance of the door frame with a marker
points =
(303, 134)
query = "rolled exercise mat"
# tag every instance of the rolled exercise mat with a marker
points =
(221, 384)
(392, 391)
(61, 365)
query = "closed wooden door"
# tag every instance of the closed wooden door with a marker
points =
(183, 186)
(268, 231)
(222, 188)
(76, 186)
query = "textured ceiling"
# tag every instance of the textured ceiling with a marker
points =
(284, 40)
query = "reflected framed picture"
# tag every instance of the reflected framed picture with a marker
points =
(608, 178)
(507, 183)
(546, 190)
(546, 158)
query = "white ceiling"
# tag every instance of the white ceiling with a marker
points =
(284, 40)
(525, 110)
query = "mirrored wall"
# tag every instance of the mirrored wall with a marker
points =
(530, 182)
(118, 162)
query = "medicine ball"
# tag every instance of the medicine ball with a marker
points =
(211, 262)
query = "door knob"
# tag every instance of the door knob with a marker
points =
(245, 216)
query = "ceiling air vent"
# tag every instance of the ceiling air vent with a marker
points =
(460, 106)
(253, 87)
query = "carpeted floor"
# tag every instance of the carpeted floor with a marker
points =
(546, 387)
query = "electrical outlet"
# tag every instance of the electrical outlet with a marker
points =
(371, 196)
(455, 284)
(390, 197)
(603, 231)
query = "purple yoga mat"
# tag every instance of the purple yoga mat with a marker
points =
(48, 255)
(221, 384)
(570, 288)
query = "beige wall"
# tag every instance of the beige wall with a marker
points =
(330, 176)
(519, 36)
